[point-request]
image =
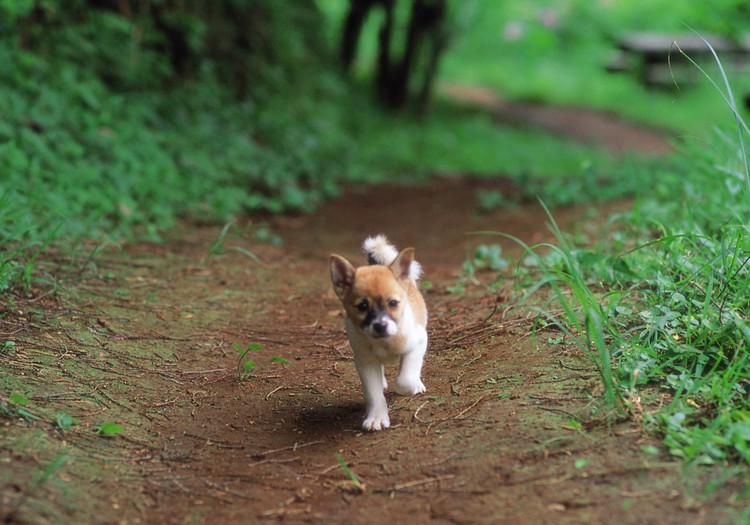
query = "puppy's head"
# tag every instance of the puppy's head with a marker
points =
(374, 296)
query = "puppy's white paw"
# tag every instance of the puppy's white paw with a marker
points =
(375, 422)
(409, 388)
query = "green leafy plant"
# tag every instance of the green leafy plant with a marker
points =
(108, 429)
(19, 402)
(489, 257)
(65, 421)
(280, 360)
(18, 399)
(245, 365)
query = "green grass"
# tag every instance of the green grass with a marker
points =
(660, 310)
(352, 478)
(557, 51)
(659, 305)
(452, 140)
(581, 311)
(35, 485)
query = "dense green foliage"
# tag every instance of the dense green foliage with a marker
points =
(117, 123)
(106, 132)
(88, 123)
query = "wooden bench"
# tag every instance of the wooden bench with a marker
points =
(657, 58)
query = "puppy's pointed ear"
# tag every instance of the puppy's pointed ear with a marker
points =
(405, 267)
(342, 275)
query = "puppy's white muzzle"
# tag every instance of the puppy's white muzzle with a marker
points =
(382, 326)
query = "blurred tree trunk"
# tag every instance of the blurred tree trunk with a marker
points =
(426, 37)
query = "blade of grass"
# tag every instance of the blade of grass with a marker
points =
(348, 472)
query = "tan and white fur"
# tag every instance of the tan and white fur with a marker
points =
(386, 321)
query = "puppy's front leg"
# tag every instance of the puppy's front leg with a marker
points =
(409, 380)
(371, 375)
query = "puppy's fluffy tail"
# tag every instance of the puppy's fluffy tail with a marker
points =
(379, 250)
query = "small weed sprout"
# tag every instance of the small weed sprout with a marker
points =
(37, 483)
(108, 429)
(245, 365)
(18, 404)
(65, 421)
(485, 257)
(264, 234)
(217, 248)
(496, 200)
(353, 484)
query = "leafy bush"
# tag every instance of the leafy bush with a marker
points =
(117, 123)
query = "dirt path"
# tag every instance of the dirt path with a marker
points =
(507, 432)
(585, 125)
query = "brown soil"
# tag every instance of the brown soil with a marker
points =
(510, 430)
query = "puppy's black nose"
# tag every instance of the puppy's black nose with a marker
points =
(379, 327)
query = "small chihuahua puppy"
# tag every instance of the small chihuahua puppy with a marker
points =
(386, 321)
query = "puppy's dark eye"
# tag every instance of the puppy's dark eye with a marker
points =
(363, 306)
(392, 303)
